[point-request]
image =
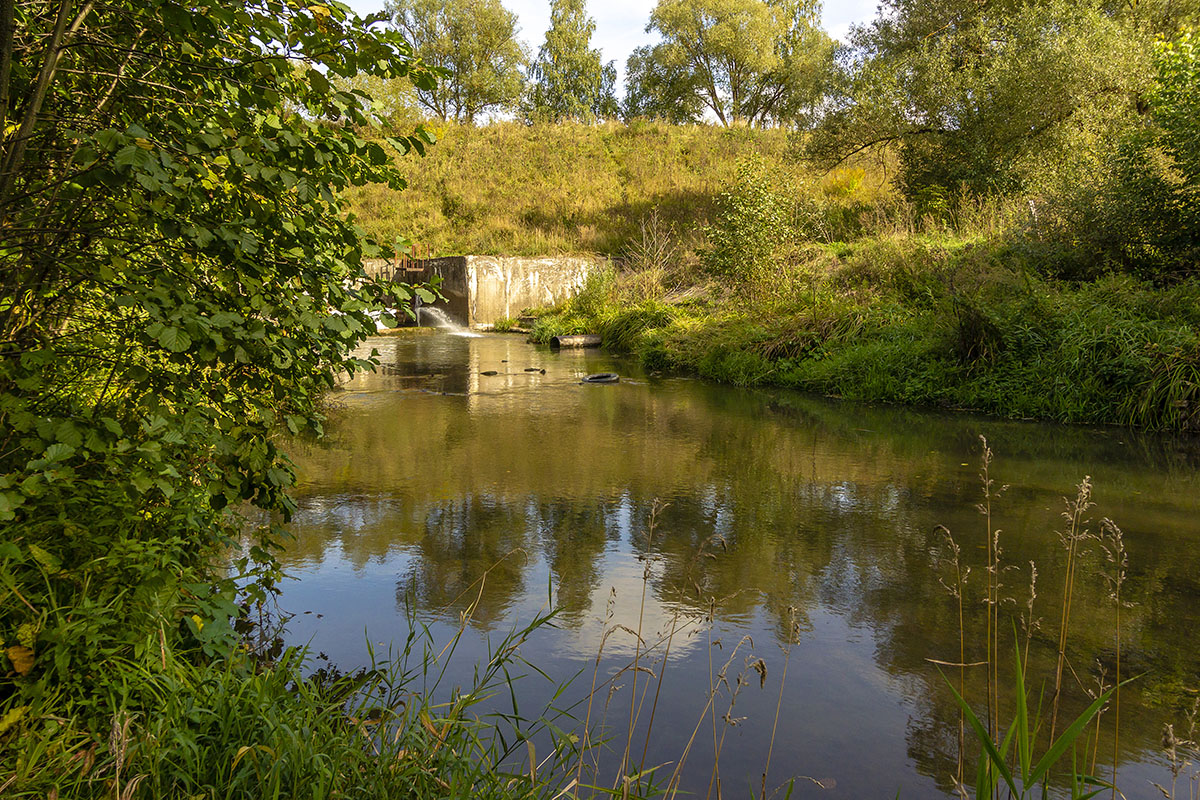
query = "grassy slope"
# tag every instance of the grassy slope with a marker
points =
(520, 190)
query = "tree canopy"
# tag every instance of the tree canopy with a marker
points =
(568, 79)
(746, 61)
(994, 97)
(472, 45)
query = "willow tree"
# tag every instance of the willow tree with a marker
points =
(745, 61)
(569, 79)
(994, 97)
(473, 45)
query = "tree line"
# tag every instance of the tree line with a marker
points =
(736, 61)
(1088, 108)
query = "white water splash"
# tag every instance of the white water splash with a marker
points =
(440, 319)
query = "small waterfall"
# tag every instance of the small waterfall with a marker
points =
(440, 319)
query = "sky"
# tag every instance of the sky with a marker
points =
(621, 24)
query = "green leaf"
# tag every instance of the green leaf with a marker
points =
(67, 433)
(59, 451)
(1056, 750)
(50, 562)
(131, 155)
(997, 761)
(9, 502)
(279, 477)
(174, 339)
(1022, 721)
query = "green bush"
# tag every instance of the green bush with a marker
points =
(752, 226)
(1144, 217)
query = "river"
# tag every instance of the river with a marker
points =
(808, 525)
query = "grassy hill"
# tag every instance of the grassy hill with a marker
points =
(515, 189)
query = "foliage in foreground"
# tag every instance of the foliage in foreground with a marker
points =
(177, 283)
(237, 728)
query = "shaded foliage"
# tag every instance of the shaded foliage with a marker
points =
(178, 284)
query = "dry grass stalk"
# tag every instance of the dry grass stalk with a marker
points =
(634, 708)
(1180, 753)
(587, 719)
(956, 591)
(1112, 541)
(793, 638)
(1071, 538)
(991, 492)
(1030, 622)
(716, 681)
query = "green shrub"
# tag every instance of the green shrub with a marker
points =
(753, 223)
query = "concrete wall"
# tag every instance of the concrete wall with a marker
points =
(502, 286)
(482, 289)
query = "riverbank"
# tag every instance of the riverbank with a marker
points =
(957, 323)
(742, 262)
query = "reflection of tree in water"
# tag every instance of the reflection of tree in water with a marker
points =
(474, 547)
(819, 506)
(871, 553)
(573, 538)
(914, 619)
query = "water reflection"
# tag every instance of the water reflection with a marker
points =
(451, 488)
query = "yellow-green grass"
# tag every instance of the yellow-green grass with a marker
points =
(515, 189)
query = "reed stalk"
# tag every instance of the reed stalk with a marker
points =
(793, 637)
(657, 690)
(637, 652)
(960, 579)
(993, 589)
(672, 788)
(587, 719)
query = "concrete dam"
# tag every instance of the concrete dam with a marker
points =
(479, 290)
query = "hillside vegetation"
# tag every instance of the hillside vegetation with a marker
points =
(510, 188)
(738, 260)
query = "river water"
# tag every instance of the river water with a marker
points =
(458, 496)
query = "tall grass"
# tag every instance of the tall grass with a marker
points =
(1026, 751)
(646, 671)
(233, 729)
(639, 191)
